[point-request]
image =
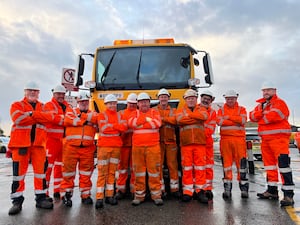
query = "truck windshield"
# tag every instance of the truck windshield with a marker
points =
(145, 68)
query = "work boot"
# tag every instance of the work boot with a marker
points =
(164, 195)
(120, 195)
(244, 190)
(17, 206)
(99, 204)
(136, 202)
(287, 201)
(268, 195)
(67, 199)
(227, 191)
(49, 198)
(44, 204)
(202, 197)
(111, 201)
(176, 194)
(186, 198)
(87, 201)
(56, 196)
(158, 202)
(209, 195)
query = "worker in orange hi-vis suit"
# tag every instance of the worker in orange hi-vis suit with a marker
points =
(168, 145)
(55, 134)
(146, 156)
(272, 114)
(125, 164)
(232, 118)
(111, 125)
(191, 120)
(78, 150)
(27, 143)
(210, 124)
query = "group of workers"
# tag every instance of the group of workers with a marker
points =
(138, 142)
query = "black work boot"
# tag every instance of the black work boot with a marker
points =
(42, 202)
(99, 204)
(202, 197)
(270, 193)
(111, 200)
(244, 190)
(227, 191)
(17, 206)
(87, 201)
(67, 199)
(209, 194)
(56, 196)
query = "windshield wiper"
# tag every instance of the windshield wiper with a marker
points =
(138, 71)
(104, 75)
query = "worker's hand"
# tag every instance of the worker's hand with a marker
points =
(148, 119)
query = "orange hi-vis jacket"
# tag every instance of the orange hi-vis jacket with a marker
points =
(272, 118)
(55, 129)
(232, 120)
(111, 125)
(210, 123)
(80, 127)
(167, 130)
(192, 125)
(145, 127)
(24, 116)
(127, 135)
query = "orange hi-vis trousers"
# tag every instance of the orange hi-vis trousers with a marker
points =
(193, 162)
(54, 159)
(209, 164)
(108, 160)
(169, 153)
(21, 158)
(125, 166)
(84, 157)
(147, 159)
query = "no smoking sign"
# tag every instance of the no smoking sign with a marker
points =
(67, 79)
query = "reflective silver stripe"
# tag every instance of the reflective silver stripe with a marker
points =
(122, 171)
(100, 189)
(142, 174)
(18, 178)
(210, 166)
(52, 130)
(57, 180)
(153, 174)
(285, 170)
(114, 160)
(272, 183)
(102, 162)
(232, 128)
(243, 182)
(56, 186)
(79, 137)
(121, 187)
(69, 174)
(75, 121)
(22, 127)
(85, 192)
(40, 191)
(199, 167)
(227, 181)
(227, 168)
(199, 186)
(187, 127)
(40, 175)
(106, 126)
(155, 192)
(109, 135)
(282, 116)
(89, 117)
(243, 170)
(288, 187)
(272, 167)
(188, 187)
(20, 118)
(109, 187)
(187, 168)
(16, 112)
(145, 131)
(58, 163)
(277, 131)
(86, 173)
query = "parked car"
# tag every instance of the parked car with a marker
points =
(253, 142)
(3, 144)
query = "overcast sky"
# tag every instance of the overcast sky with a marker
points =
(249, 41)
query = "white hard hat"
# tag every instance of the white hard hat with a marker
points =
(59, 89)
(208, 93)
(132, 98)
(83, 96)
(190, 93)
(268, 85)
(143, 96)
(230, 93)
(31, 86)
(163, 91)
(110, 98)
